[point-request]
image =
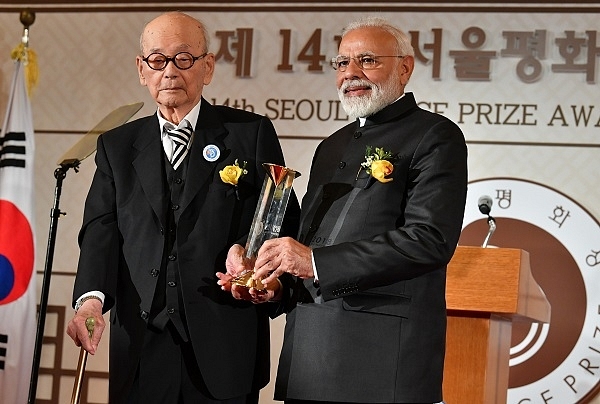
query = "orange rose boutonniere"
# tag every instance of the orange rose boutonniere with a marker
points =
(378, 163)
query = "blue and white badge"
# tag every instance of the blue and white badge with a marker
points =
(211, 153)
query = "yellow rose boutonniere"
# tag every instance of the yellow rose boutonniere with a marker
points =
(378, 163)
(381, 169)
(231, 174)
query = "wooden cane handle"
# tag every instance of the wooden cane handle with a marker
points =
(89, 324)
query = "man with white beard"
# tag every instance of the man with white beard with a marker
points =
(380, 221)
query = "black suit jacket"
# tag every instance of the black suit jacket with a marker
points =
(374, 331)
(122, 243)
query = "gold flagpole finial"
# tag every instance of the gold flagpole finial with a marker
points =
(26, 55)
(27, 18)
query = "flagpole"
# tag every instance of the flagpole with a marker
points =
(27, 18)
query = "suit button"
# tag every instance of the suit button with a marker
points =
(172, 257)
(357, 135)
(172, 284)
(171, 311)
(342, 165)
(178, 180)
(175, 207)
(144, 315)
(154, 272)
(162, 230)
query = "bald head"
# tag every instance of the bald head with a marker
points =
(171, 24)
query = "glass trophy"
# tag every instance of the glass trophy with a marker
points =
(268, 217)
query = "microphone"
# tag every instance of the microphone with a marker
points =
(485, 206)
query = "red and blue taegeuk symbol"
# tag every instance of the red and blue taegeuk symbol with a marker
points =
(16, 252)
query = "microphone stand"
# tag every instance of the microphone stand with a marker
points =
(71, 159)
(60, 173)
(492, 227)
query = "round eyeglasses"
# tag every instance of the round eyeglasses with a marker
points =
(364, 62)
(181, 60)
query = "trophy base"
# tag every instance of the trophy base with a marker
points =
(245, 280)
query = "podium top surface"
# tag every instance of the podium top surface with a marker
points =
(496, 281)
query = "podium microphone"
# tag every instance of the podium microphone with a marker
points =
(485, 206)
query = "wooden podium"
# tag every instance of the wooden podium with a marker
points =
(486, 290)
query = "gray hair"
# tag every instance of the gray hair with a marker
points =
(403, 41)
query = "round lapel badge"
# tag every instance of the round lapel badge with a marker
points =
(211, 153)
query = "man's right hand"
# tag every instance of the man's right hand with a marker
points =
(77, 330)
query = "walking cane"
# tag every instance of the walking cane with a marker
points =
(89, 324)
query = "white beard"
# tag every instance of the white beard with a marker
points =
(363, 106)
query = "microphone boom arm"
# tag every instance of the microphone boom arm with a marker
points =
(492, 227)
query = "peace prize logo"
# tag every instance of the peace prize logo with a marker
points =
(559, 362)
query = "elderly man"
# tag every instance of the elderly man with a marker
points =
(171, 193)
(380, 221)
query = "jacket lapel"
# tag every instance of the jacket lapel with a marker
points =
(209, 131)
(148, 171)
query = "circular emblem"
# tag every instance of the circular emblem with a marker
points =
(211, 153)
(16, 253)
(557, 362)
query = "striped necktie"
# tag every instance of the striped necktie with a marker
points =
(181, 138)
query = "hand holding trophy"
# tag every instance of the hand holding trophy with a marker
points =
(268, 217)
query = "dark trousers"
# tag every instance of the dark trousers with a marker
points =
(168, 373)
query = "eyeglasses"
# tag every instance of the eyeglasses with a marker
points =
(181, 60)
(364, 62)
